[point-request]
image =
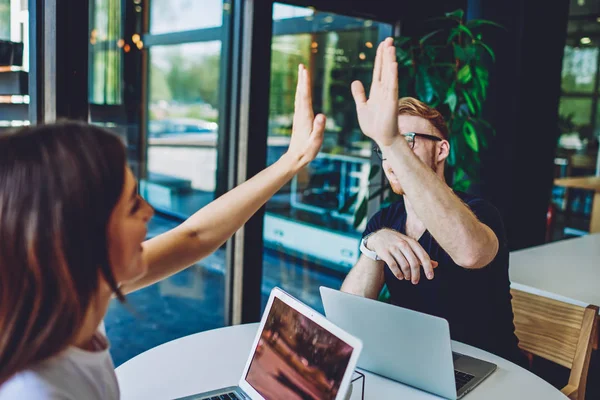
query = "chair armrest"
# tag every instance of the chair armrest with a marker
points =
(570, 391)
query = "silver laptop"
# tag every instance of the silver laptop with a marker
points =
(297, 354)
(405, 345)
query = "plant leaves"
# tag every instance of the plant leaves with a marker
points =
(451, 99)
(483, 80)
(488, 49)
(458, 30)
(402, 55)
(401, 41)
(471, 136)
(470, 102)
(459, 52)
(456, 14)
(476, 23)
(460, 180)
(423, 86)
(464, 74)
(429, 36)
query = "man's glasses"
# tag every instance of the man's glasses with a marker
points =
(410, 139)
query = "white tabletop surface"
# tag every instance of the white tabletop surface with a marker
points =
(215, 359)
(568, 268)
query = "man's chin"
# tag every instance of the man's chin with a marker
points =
(397, 188)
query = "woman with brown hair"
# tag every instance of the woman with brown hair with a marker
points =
(72, 231)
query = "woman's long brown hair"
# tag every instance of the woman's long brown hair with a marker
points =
(58, 186)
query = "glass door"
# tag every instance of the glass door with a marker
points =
(309, 234)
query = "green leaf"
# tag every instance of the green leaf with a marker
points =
(460, 181)
(482, 73)
(459, 53)
(476, 23)
(452, 155)
(451, 99)
(482, 80)
(464, 74)
(483, 141)
(488, 49)
(402, 55)
(429, 36)
(462, 185)
(471, 136)
(456, 14)
(470, 102)
(401, 41)
(423, 86)
(458, 30)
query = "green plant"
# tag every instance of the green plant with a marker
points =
(448, 69)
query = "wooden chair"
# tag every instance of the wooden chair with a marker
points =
(559, 332)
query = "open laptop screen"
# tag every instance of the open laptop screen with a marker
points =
(296, 358)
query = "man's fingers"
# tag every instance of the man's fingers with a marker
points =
(318, 129)
(299, 86)
(389, 77)
(307, 90)
(378, 62)
(392, 265)
(413, 261)
(402, 263)
(424, 259)
(358, 92)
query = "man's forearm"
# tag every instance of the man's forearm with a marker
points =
(365, 279)
(452, 224)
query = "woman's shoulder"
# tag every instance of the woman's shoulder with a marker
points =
(30, 384)
(73, 374)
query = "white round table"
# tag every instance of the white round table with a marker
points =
(214, 359)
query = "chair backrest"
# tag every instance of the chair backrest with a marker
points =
(560, 332)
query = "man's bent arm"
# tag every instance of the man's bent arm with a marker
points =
(469, 242)
(365, 279)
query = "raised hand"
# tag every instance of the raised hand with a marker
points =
(307, 130)
(378, 115)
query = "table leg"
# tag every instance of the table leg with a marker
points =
(595, 218)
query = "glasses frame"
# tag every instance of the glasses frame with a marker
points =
(410, 139)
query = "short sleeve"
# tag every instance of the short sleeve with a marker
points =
(374, 223)
(489, 215)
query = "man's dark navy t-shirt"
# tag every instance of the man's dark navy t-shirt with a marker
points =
(476, 303)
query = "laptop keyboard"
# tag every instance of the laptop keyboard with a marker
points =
(461, 379)
(224, 396)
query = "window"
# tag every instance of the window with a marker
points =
(14, 27)
(580, 108)
(309, 237)
(184, 15)
(580, 67)
(5, 19)
(176, 65)
(106, 52)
